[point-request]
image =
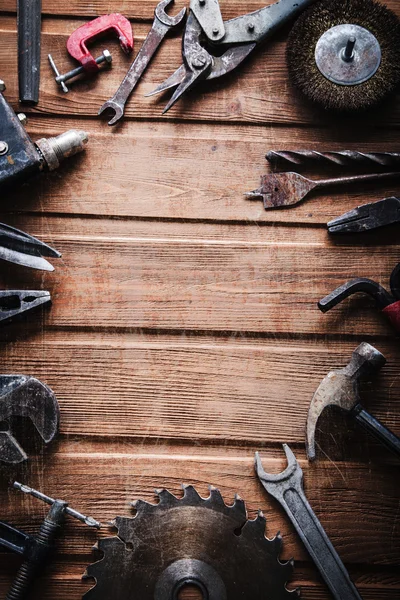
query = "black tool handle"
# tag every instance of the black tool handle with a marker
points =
(375, 427)
(29, 26)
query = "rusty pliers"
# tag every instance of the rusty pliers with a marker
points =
(213, 47)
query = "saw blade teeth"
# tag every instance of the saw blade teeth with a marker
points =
(240, 506)
(216, 497)
(166, 498)
(141, 506)
(256, 527)
(190, 494)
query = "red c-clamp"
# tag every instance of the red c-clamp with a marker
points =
(76, 44)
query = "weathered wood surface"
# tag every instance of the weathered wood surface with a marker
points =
(184, 333)
(258, 93)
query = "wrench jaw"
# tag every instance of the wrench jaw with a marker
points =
(274, 483)
(165, 19)
(111, 105)
(26, 397)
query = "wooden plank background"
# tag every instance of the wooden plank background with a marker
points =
(184, 333)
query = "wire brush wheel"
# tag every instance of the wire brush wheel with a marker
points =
(345, 54)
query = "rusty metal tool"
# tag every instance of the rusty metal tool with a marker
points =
(388, 303)
(29, 34)
(23, 249)
(190, 541)
(342, 158)
(367, 217)
(162, 24)
(78, 40)
(341, 388)
(213, 47)
(22, 396)
(36, 550)
(15, 303)
(288, 189)
(20, 158)
(287, 489)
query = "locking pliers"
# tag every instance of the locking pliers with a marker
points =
(213, 47)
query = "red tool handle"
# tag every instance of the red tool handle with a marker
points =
(76, 44)
(393, 312)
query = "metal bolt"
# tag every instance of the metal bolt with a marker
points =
(22, 118)
(198, 62)
(2, 85)
(61, 79)
(3, 148)
(348, 53)
(215, 31)
(250, 27)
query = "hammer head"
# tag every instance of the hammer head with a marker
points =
(22, 396)
(341, 388)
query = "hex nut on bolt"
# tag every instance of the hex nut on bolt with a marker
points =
(2, 86)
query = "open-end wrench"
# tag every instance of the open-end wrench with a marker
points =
(287, 488)
(161, 25)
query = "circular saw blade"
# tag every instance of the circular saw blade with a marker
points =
(192, 540)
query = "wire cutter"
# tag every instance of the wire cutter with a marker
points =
(23, 249)
(367, 217)
(213, 47)
(14, 303)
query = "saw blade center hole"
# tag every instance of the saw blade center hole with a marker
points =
(191, 591)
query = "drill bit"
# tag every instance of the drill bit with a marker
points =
(342, 158)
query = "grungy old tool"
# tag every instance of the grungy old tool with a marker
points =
(162, 24)
(288, 189)
(345, 55)
(20, 158)
(23, 249)
(341, 388)
(213, 47)
(78, 40)
(342, 158)
(367, 217)
(22, 396)
(15, 303)
(190, 542)
(37, 550)
(388, 303)
(287, 489)
(29, 33)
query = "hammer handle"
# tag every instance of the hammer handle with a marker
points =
(375, 427)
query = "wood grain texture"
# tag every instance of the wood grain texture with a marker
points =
(184, 333)
(186, 389)
(221, 286)
(258, 93)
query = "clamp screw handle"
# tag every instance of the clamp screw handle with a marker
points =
(69, 511)
(62, 78)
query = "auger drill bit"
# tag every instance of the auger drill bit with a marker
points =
(342, 158)
(22, 396)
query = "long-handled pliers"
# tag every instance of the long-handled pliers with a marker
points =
(23, 249)
(213, 47)
(367, 217)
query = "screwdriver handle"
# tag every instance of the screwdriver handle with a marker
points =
(379, 431)
(342, 158)
(393, 312)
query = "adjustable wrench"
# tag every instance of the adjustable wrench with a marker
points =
(287, 488)
(161, 25)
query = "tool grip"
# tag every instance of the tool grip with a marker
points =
(393, 312)
(29, 28)
(375, 427)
